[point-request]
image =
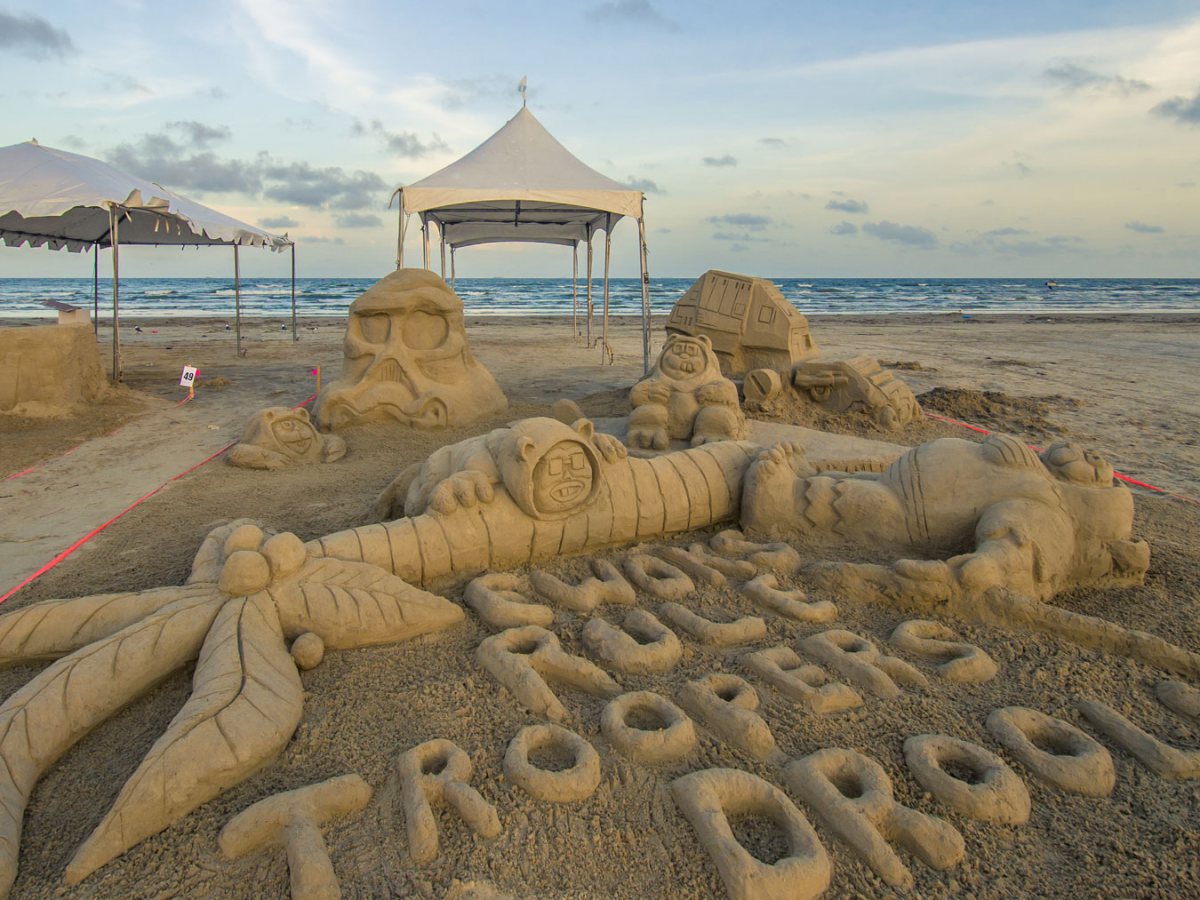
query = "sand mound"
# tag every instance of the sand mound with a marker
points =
(999, 411)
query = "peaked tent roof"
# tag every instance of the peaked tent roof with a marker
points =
(60, 199)
(520, 184)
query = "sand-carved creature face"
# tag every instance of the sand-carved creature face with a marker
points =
(295, 435)
(1072, 463)
(562, 477)
(684, 358)
(549, 469)
(406, 358)
(285, 431)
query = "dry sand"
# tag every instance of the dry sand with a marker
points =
(1126, 385)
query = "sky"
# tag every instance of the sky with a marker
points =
(1036, 138)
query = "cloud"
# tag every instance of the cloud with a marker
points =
(725, 160)
(1004, 232)
(278, 222)
(772, 142)
(33, 36)
(159, 157)
(848, 205)
(630, 12)
(1143, 228)
(732, 236)
(1185, 184)
(999, 242)
(645, 185)
(402, 143)
(1183, 110)
(912, 235)
(321, 239)
(749, 221)
(74, 141)
(844, 228)
(358, 220)
(1073, 77)
(200, 135)
(321, 188)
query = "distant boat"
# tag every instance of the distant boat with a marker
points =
(1051, 285)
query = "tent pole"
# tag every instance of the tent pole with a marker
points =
(400, 231)
(96, 289)
(295, 333)
(113, 226)
(607, 259)
(575, 290)
(452, 276)
(425, 238)
(645, 296)
(589, 285)
(442, 237)
(237, 298)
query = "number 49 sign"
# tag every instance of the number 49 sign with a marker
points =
(189, 376)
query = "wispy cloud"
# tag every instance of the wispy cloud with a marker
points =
(719, 161)
(749, 221)
(1072, 76)
(1143, 228)
(402, 143)
(848, 205)
(844, 228)
(33, 36)
(200, 135)
(631, 12)
(645, 185)
(1184, 110)
(278, 222)
(772, 142)
(358, 220)
(912, 235)
(734, 236)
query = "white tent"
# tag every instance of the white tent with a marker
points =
(521, 184)
(63, 200)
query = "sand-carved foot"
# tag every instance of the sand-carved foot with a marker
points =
(769, 492)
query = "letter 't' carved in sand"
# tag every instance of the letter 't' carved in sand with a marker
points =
(497, 599)
(995, 794)
(577, 782)
(648, 728)
(605, 585)
(957, 661)
(1157, 756)
(725, 705)
(859, 661)
(781, 668)
(1055, 751)
(438, 772)
(519, 658)
(780, 558)
(715, 634)
(293, 819)
(764, 590)
(852, 797)
(640, 646)
(707, 799)
(657, 577)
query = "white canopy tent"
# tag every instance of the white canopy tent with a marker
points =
(521, 184)
(65, 201)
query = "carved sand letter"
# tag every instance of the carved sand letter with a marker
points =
(562, 786)
(695, 567)
(715, 634)
(1155, 755)
(764, 591)
(1074, 761)
(657, 577)
(741, 569)
(438, 771)
(781, 668)
(497, 599)
(780, 558)
(641, 645)
(995, 795)
(293, 819)
(707, 798)
(671, 737)
(725, 705)
(519, 658)
(852, 797)
(959, 661)
(1178, 697)
(607, 585)
(856, 658)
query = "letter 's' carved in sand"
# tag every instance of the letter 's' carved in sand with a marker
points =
(995, 793)
(692, 564)
(498, 600)
(1157, 756)
(1073, 762)
(715, 634)
(859, 661)
(707, 798)
(406, 358)
(578, 782)
(685, 398)
(640, 646)
(670, 737)
(294, 819)
(657, 577)
(1039, 524)
(852, 797)
(957, 661)
(520, 658)
(780, 558)
(606, 584)
(278, 436)
(781, 668)
(764, 590)
(725, 705)
(439, 772)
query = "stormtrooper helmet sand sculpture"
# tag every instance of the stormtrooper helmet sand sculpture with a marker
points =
(406, 358)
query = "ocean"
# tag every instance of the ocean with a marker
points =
(271, 297)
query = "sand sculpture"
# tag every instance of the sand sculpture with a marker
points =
(640, 646)
(576, 782)
(1038, 523)
(780, 558)
(994, 793)
(248, 593)
(407, 359)
(672, 737)
(956, 661)
(713, 633)
(439, 772)
(859, 662)
(1075, 762)
(294, 819)
(781, 668)
(858, 384)
(1157, 756)
(279, 436)
(764, 591)
(606, 584)
(685, 398)
(498, 600)
(726, 705)
(49, 370)
(747, 320)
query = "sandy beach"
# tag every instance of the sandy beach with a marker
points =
(1124, 385)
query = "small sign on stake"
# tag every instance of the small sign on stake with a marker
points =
(188, 379)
